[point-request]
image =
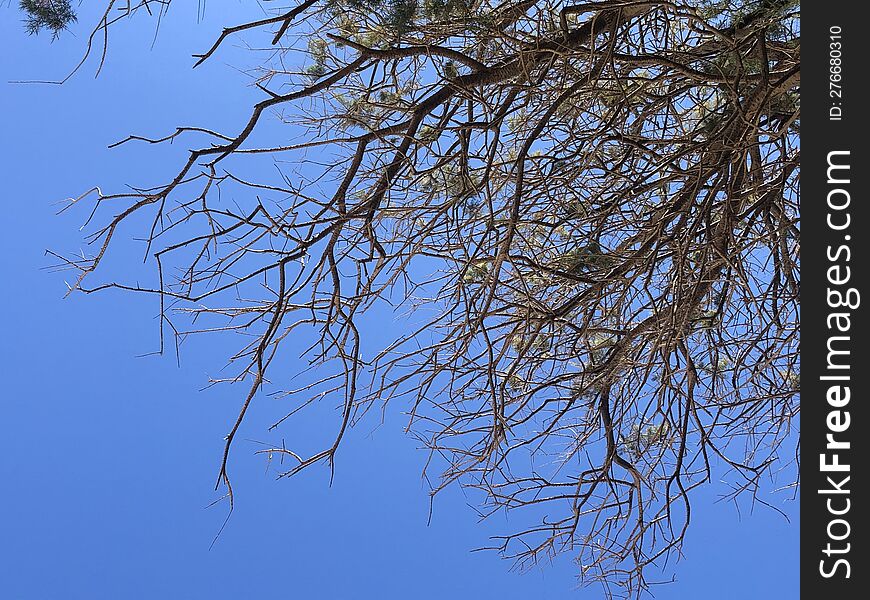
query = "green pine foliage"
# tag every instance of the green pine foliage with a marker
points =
(397, 15)
(400, 16)
(52, 15)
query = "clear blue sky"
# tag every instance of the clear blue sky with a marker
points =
(108, 460)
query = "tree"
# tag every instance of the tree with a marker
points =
(586, 214)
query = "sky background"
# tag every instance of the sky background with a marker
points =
(108, 458)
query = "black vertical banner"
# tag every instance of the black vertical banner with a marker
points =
(835, 424)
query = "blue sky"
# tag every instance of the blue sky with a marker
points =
(108, 458)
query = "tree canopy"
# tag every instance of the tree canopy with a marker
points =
(584, 218)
